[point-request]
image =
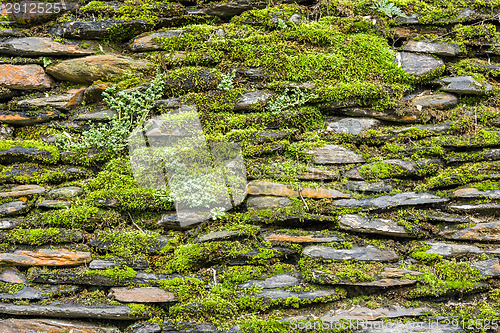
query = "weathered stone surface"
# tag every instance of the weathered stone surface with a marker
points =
(358, 223)
(94, 93)
(115, 312)
(265, 203)
(37, 293)
(9, 223)
(480, 232)
(39, 14)
(54, 204)
(311, 296)
(22, 118)
(46, 257)
(352, 126)
(218, 236)
(154, 246)
(363, 313)
(369, 253)
(99, 67)
(463, 85)
(72, 98)
(148, 43)
(138, 263)
(435, 101)
(32, 173)
(276, 281)
(437, 48)
(410, 115)
(398, 169)
(97, 116)
(277, 238)
(188, 327)
(368, 187)
(23, 191)
(172, 221)
(118, 29)
(40, 46)
(13, 325)
(17, 154)
(12, 275)
(435, 128)
(144, 327)
(142, 295)
(449, 250)
(232, 8)
(392, 273)
(437, 217)
(382, 283)
(24, 77)
(471, 193)
(418, 64)
(485, 208)
(252, 99)
(388, 201)
(13, 208)
(267, 188)
(65, 192)
(317, 174)
(11, 33)
(333, 154)
(488, 268)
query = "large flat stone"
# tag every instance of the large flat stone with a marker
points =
(276, 189)
(352, 126)
(358, 223)
(99, 67)
(46, 257)
(72, 98)
(24, 77)
(472, 193)
(142, 295)
(265, 202)
(389, 201)
(418, 64)
(101, 29)
(276, 281)
(480, 232)
(26, 118)
(310, 238)
(13, 325)
(40, 46)
(450, 250)
(13, 208)
(488, 268)
(435, 101)
(369, 253)
(23, 191)
(333, 154)
(437, 48)
(464, 85)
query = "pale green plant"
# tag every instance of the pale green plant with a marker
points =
(388, 8)
(289, 99)
(227, 81)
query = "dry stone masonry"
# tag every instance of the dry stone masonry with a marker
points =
(370, 137)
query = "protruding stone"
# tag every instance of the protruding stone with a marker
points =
(388, 201)
(369, 253)
(26, 118)
(488, 268)
(482, 232)
(265, 203)
(218, 236)
(40, 46)
(100, 29)
(252, 99)
(24, 77)
(276, 281)
(362, 313)
(333, 154)
(23, 191)
(368, 187)
(46, 257)
(437, 48)
(310, 296)
(358, 223)
(9, 223)
(72, 98)
(395, 273)
(277, 238)
(464, 85)
(352, 126)
(449, 250)
(65, 192)
(473, 193)
(12, 275)
(14, 325)
(418, 64)
(54, 204)
(142, 295)
(484, 208)
(148, 42)
(97, 116)
(281, 190)
(99, 67)
(435, 101)
(13, 208)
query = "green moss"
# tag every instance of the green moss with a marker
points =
(46, 153)
(10, 288)
(119, 274)
(35, 236)
(128, 244)
(28, 173)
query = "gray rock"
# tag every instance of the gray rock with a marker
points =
(253, 99)
(54, 204)
(333, 154)
(296, 18)
(368, 187)
(358, 223)
(100, 29)
(137, 263)
(449, 250)
(115, 312)
(389, 201)
(229, 9)
(488, 268)
(364, 313)
(276, 281)
(13, 208)
(464, 85)
(9, 223)
(310, 296)
(20, 154)
(311, 238)
(148, 43)
(37, 293)
(23, 191)
(255, 73)
(398, 169)
(382, 283)
(65, 192)
(472, 193)
(188, 327)
(435, 101)
(418, 64)
(437, 217)
(486, 208)
(11, 33)
(49, 325)
(97, 116)
(437, 48)
(267, 202)
(61, 102)
(6, 132)
(40, 46)
(218, 236)
(317, 174)
(435, 128)
(369, 253)
(410, 19)
(144, 328)
(480, 232)
(352, 126)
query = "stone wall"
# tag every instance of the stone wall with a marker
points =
(371, 146)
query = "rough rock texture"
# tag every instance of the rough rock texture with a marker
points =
(25, 77)
(46, 257)
(36, 46)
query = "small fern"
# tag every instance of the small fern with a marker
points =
(389, 9)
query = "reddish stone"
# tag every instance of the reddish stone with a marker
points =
(24, 77)
(46, 257)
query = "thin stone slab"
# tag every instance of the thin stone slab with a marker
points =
(54, 204)
(65, 192)
(368, 253)
(485, 208)
(450, 250)
(267, 202)
(482, 232)
(46, 257)
(358, 223)
(382, 283)
(410, 327)
(40, 46)
(251, 99)
(27, 118)
(276, 281)
(142, 295)
(464, 85)
(392, 273)
(63, 102)
(352, 126)
(12, 275)
(218, 236)
(14, 325)
(333, 154)
(437, 48)
(363, 313)
(310, 296)
(23, 191)
(488, 268)
(389, 201)
(474, 193)
(300, 239)
(13, 208)
(257, 187)
(100, 29)
(9, 223)
(24, 77)
(418, 64)
(148, 42)
(435, 101)
(368, 187)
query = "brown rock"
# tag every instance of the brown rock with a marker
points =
(72, 98)
(281, 190)
(437, 101)
(149, 42)
(390, 272)
(276, 238)
(480, 232)
(142, 295)
(22, 118)
(99, 67)
(12, 275)
(22, 191)
(50, 326)
(385, 283)
(94, 93)
(46, 257)
(40, 46)
(13, 208)
(24, 77)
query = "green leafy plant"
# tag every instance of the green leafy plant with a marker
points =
(288, 99)
(227, 81)
(389, 9)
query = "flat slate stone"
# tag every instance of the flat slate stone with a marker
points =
(311, 238)
(63, 102)
(251, 99)
(399, 168)
(26, 118)
(23, 191)
(142, 295)
(485, 208)
(450, 250)
(32, 173)
(410, 116)
(12, 275)
(435, 128)
(14, 325)
(46, 257)
(382, 283)
(147, 42)
(9, 223)
(473, 193)
(463, 85)
(218, 236)
(13, 208)
(436, 101)
(488, 268)
(317, 174)
(18, 154)
(418, 64)
(368, 253)
(65, 192)
(392, 273)
(311, 296)
(437, 48)
(388, 201)
(480, 232)
(410, 327)
(38, 293)
(99, 67)
(358, 223)
(138, 263)
(437, 217)
(97, 116)
(100, 29)
(333, 154)
(55, 204)
(258, 187)
(352, 126)
(24, 77)
(276, 281)
(363, 313)
(265, 202)
(40, 46)
(115, 312)
(145, 327)
(368, 187)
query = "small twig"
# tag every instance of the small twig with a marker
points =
(135, 223)
(305, 203)
(215, 275)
